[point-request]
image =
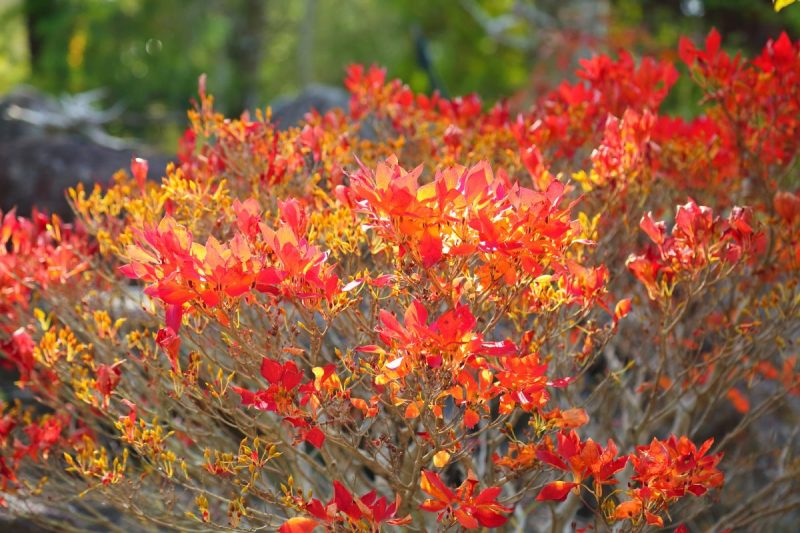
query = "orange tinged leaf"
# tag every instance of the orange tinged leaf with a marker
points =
(298, 524)
(739, 401)
(471, 418)
(622, 309)
(573, 418)
(431, 484)
(653, 519)
(412, 411)
(628, 510)
(466, 519)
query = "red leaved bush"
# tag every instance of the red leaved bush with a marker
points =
(421, 314)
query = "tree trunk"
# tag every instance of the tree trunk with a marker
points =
(245, 50)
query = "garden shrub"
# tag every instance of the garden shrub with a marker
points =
(421, 314)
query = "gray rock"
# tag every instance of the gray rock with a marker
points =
(289, 111)
(48, 145)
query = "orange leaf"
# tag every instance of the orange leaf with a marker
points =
(471, 418)
(739, 400)
(622, 309)
(433, 485)
(653, 519)
(441, 458)
(629, 509)
(298, 524)
(412, 411)
(573, 418)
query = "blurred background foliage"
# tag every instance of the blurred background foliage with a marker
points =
(148, 54)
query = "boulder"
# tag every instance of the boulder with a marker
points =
(48, 145)
(289, 111)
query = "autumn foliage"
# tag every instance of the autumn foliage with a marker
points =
(423, 313)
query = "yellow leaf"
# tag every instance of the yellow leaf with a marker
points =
(137, 254)
(780, 4)
(441, 458)
(426, 192)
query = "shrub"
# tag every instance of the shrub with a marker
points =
(304, 329)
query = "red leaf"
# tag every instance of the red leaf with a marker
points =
(315, 436)
(271, 370)
(345, 502)
(548, 457)
(488, 495)
(687, 51)
(654, 230)
(369, 348)
(490, 518)
(713, 42)
(430, 248)
(174, 315)
(555, 491)
(139, 171)
(291, 376)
